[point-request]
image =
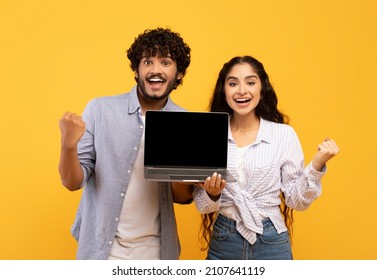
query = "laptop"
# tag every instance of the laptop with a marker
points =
(185, 146)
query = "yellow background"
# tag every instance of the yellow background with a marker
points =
(57, 55)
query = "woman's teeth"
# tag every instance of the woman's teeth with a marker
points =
(242, 100)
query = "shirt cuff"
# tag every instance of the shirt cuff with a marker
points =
(210, 202)
(314, 174)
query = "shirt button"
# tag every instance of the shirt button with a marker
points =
(110, 242)
(135, 148)
(141, 127)
(116, 219)
(128, 171)
(122, 194)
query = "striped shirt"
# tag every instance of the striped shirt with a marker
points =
(274, 163)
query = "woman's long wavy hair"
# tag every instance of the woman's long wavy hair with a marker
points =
(266, 109)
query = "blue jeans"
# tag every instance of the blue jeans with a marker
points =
(227, 244)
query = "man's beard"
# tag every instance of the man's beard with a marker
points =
(170, 87)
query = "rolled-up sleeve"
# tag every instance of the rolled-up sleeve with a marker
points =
(301, 186)
(86, 149)
(204, 203)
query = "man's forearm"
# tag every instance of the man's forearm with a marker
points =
(70, 170)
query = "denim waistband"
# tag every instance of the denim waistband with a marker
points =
(226, 222)
(231, 224)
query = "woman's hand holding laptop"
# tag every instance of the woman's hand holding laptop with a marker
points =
(213, 186)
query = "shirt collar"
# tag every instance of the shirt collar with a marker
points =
(264, 132)
(134, 104)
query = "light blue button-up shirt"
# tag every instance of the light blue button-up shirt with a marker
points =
(107, 153)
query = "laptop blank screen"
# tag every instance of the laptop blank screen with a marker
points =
(186, 139)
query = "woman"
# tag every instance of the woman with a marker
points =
(266, 157)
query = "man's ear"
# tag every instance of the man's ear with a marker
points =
(179, 76)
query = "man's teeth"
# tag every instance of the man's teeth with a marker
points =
(155, 80)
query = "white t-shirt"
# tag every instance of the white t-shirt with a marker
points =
(138, 234)
(230, 211)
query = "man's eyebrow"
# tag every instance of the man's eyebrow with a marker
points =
(149, 56)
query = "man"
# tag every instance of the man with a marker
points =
(121, 215)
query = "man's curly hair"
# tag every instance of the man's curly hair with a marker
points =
(160, 41)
